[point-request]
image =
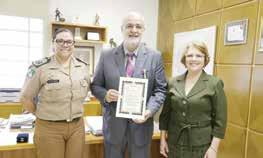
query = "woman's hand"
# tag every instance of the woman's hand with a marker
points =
(211, 152)
(164, 148)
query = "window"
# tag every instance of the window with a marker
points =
(21, 42)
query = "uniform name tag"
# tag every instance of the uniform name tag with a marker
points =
(52, 81)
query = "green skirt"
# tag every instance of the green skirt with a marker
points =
(177, 151)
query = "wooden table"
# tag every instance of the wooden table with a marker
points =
(91, 108)
(93, 148)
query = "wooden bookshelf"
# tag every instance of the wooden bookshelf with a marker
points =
(84, 29)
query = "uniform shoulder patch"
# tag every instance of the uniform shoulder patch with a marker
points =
(81, 61)
(31, 71)
(41, 62)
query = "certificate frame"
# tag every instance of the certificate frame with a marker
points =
(133, 97)
(236, 32)
(94, 36)
(260, 39)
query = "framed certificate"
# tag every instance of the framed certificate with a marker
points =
(260, 42)
(93, 36)
(133, 97)
(236, 32)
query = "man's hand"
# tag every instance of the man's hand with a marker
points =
(146, 116)
(111, 95)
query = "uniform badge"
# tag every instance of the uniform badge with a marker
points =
(41, 62)
(31, 72)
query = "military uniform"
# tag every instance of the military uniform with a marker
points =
(60, 93)
(193, 120)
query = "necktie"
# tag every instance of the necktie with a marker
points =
(130, 65)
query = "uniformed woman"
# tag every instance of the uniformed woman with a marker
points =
(194, 113)
(54, 90)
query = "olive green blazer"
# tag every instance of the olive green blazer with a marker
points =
(194, 119)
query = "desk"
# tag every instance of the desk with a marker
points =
(93, 148)
(91, 108)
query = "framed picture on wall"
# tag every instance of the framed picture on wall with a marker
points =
(86, 53)
(95, 36)
(236, 32)
(260, 41)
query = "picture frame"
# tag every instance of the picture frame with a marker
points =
(133, 96)
(95, 36)
(236, 32)
(260, 38)
(87, 54)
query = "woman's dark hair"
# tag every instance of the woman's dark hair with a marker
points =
(59, 30)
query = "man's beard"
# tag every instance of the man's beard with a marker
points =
(132, 43)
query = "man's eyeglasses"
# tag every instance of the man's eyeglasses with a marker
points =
(61, 42)
(131, 26)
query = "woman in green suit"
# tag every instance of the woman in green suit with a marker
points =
(193, 119)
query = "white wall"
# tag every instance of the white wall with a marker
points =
(111, 13)
(28, 8)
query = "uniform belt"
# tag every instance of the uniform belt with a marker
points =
(188, 127)
(73, 120)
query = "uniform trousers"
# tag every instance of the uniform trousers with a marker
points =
(59, 139)
(134, 151)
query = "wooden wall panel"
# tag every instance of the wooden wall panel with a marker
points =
(233, 64)
(203, 6)
(255, 143)
(259, 55)
(165, 31)
(183, 26)
(227, 3)
(236, 80)
(200, 22)
(256, 115)
(179, 26)
(238, 54)
(168, 37)
(233, 145)
(168, 70)
(168, 56)
(181, 9)
(166, 46)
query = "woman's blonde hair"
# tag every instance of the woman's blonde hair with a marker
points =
(201, 46)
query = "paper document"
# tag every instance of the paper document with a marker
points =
(22, 120)
(3, 123)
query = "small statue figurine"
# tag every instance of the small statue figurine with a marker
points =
(58, 16)
(97, 18)
(113, 44)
